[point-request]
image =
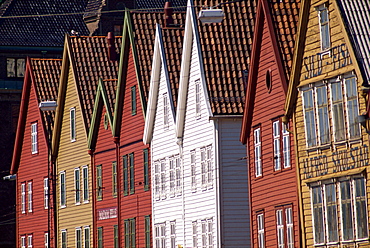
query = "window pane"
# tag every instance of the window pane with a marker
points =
(361, 209)
(318, 217)
(346, 207)
(331, 213)
(322, 105)
(309, 118)
(338, 114)
(352, 107)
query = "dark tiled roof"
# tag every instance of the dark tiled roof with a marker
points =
(91, 59)
(93, 7)
(226, 50)
(173, 46)
(46, 74)
(285, 19)
(158, 4)
(144, 24)
(43, 30)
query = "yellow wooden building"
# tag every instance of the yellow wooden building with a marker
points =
(327, 100)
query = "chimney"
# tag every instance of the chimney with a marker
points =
(112, 55)
(168, 11)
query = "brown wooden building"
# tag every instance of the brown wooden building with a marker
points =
(273, 194)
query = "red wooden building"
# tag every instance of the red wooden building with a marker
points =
(272, 172)
(34, 212)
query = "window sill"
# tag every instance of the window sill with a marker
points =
(63, 206)
(78, 203)
(86, 201)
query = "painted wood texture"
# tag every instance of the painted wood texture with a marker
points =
(70, 156)
(268, 193)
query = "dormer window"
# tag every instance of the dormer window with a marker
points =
(34, 146)
(324, 26)
(72, 115)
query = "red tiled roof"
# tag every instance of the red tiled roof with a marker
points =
(111, 87)
(91, 59)
(285, 19)
(144, 24)
(173, 45)
(46, 74)
(226, 50)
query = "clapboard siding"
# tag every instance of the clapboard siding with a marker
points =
(233, 185)
(33, 168)
(70, 156)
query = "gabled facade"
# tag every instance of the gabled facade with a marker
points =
(274, 208)
(85, 60)
(327, 102)
(193, 185)
(30, 163)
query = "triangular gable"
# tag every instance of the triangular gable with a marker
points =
(299, 51)
(191, 32)
(159, 60)
(263, 14)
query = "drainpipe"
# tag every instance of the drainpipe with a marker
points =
(94, 219)
(118, 166)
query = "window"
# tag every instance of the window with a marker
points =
(351, 206)
(197, 98)
(64, 238)
(99, 182)
(78, 237)
(100, 237)
(125, 175)
(23, 198)
(46, 193)
(261, 231)
(133, 100)
(160, 235)
(165, 111)
(115, 236)
(146, 169)
(29, 196)
(286, 146)
(257, 152)
(173, 234)
(324, 27)
(132, 174)
(206, 167)
(114, 178)
(343, 109)
(207, 233)
(276, 134)
(72, 116)
(193, 171)
(23, 241)
(160, 179)
(46, 240)
(85, 175)
(147, 231)
(172, 177)
(284, 227)
(130, 233)
(34, 146)
(87, 236)
(195, 234)
(29, 240)
(77, 186)
(175, 175)
(62, 178)
(15, 67)
(163, 178)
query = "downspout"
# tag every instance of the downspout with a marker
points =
(118, 168)
(94, 220)
(301, 215)
(54, 193)
(249, 193)
(217, 190)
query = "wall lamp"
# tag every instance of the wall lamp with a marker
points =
(48, 105)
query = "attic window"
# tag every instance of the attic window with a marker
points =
(268, 81)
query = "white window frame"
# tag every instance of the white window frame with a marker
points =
(276, 142)
(85, 183)
(351, 96)
(307, 115)
(339, 125)
(193, 171)
(178, 175)
(77, 186)
(87, 237)
(324, 27)
(29, 241)
(46, 193)
(160, 235)
(195, 233)
(165, 111)
(23, 198)
(72, 123)
(289, 227)
(280, 228)
(286, 146)
(261, 230)
(78, 237)
(172, 176)
(34, 138)
(206, 167)
(63, 238)
(323, 131)
(62, 189)
(29, 197)
(163, 181)
(157, 179)
(257, 152)
(23, 241)
(197, 99)
(46, 240)
(173, 234)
